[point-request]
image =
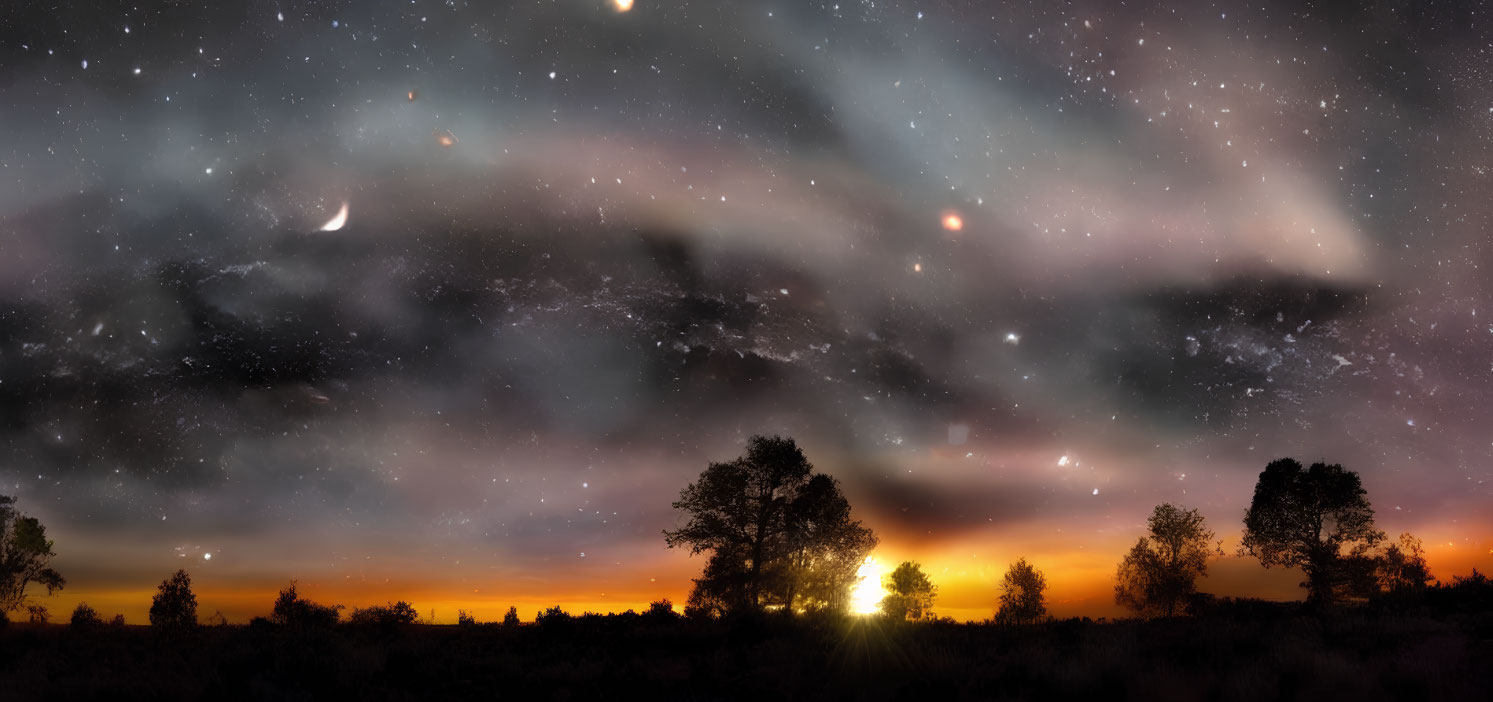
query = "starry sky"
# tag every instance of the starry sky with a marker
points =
(1013, 272)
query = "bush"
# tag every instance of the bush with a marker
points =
(464, 619)
(37, 614)
(661, 609)
(291, 610)
(85, 616)
(554, 616)
(510, 618)
(400, 612)
(118, 620)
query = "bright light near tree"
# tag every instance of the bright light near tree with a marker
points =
(868, 593)
(622, 5)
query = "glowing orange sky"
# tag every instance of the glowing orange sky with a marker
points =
(966, 572)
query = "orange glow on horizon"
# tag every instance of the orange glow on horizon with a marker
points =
(967, 571)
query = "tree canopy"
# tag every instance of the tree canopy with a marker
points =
(1304, 518)
(911, 593)
(1160, 573)
(1021, 595)
(777, 533)
(1402, 567)
(25, 555)
(174, 606)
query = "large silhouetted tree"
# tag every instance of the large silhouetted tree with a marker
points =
(825, 549)
(25, 555)
(1160, 573)
(174, 607)
(777, 532)
(1021, 599)
(1304, 518)
(910, 593)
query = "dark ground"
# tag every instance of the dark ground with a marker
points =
(1247, 652)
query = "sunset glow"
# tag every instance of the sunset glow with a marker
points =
(866, 597)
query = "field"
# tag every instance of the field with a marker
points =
(1243, 653)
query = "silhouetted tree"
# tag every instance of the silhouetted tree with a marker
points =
(465, 620)
(38, 614)
(510, 618)
(1021, 598)
(217, 618)
(1304, 518)
(1402, 567)
(661, 609)
(400, 612)
(911, 593)
(554, 616)
(777, 533)
(84, 616)
(174, 607)
(292, 610)
(825, 550)
(25, 555)
(1159, 575)
(118, 620)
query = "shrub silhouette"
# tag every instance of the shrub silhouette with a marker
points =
(661, 610)
(1021, 598)
(552, 617)
(37, 614)
(1304, 518)
(25, 554)
(911, 593)
(465, 620)
(293, 611)
(174, 607)
(84, 616)
(1159, 575)
(394, 614)
(510, 618)
(118, 620)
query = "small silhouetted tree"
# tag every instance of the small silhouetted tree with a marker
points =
(84, 616)
(217, 619)
(174, 607)
(1402, 567)
(776, 532)
(911, 593)
(1159, 575)
(292, 610)
(38, 614)
(394, 614)
(118, 620)
(1304, 518)
(1021, 598)
(465, 620)
(661, 609)
(25, 555)
(554, 616)
(510, 618)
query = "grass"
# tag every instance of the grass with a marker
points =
(1284, 654)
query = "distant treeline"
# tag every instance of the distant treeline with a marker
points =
(780, 538)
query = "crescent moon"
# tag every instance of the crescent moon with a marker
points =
(337, 222)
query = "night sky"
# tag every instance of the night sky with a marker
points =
(1013, 272)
